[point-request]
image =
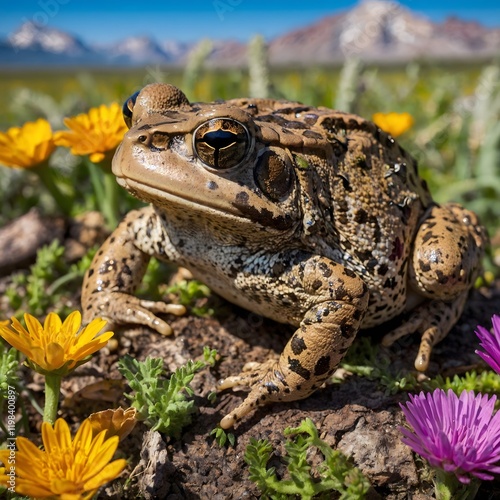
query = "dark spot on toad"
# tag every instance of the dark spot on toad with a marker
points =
(361, 216)
(126, 270)
(442, 278)
(298, 345)
(390, 283)
(322, 365)
(316, 284)
(271, 387)
(345, 329)
(241, 198)
(277, 269)
(312, 135)
(427, 237)
(397, 250)
(349, 273)
(262, 216)
(295, 366)
(325, 270)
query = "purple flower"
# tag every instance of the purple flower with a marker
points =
(490, 342)
(458, 435)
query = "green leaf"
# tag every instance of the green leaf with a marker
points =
(335, 473)
(162, 403)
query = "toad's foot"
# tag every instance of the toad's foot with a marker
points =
(127, 309)
(268, 384)
(433, 320)
(117, 270)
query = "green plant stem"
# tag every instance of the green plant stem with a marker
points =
(60, 282)
(111, 192)
(48, 177)
(2, 426)
(25, 419)
(448, 487)
(105, 189)
(52, 389)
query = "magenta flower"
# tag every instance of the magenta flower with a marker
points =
(490, 342)
(459, 435)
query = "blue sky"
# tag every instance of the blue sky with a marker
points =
(105, 21)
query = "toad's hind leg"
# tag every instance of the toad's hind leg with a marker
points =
(338, 301)
(446, 260)
(433, 319)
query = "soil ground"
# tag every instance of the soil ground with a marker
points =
(356, 416)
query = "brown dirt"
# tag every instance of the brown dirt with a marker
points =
(355, 416)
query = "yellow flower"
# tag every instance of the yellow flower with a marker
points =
(56, 346)
(66, 469)
(26, 146)
(393, 123)
(93, 133)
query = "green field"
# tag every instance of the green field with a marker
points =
(455, 137)
(27, 94)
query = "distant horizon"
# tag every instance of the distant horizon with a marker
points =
(95, 22)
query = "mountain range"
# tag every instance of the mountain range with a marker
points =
(373, 31)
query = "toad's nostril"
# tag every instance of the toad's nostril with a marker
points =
(142, 138)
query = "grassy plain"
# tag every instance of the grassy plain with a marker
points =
(456, 108)
(316, 86)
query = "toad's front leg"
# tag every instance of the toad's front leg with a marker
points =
(118, 269)
(335, 303)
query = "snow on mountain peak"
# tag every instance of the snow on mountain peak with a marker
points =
(35, 36)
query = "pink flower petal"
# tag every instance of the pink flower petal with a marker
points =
(490, 342)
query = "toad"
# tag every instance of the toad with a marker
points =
(308, 216)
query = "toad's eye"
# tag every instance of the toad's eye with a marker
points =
(222, 143)
(128, 108)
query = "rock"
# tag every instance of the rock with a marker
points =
(21, 239)
(154, 468)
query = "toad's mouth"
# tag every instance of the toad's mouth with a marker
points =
(208, 202)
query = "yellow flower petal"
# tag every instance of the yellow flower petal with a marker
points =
(24, 445)
(97, 157)
(14, 339)
(64, 487)
(4, 459)
(101, 456)
(52, 323)
(55, 355)
(109, 472)
(91, 347)
(393, 123)
(91, 330)
(34, 326)
(83, 437)
(26, 146)
(72, 322)
(32, 489)
(38, 356)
